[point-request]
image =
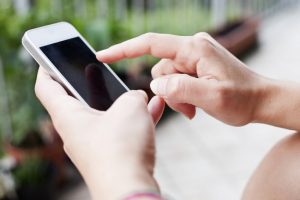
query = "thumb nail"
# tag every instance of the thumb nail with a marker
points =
(159, 86)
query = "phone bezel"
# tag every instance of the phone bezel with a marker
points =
(35, 38)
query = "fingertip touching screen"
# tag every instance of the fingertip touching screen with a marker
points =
(89, 77)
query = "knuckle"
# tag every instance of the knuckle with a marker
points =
(175, 87)
(155, 72)
(149, 36)
(202, 35)
(202, 41)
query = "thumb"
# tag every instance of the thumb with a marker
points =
(135, 98)
(181, 88)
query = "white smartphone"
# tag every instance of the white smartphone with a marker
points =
(71, 61)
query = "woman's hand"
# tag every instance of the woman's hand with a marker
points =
(196, 71)
(113, 150)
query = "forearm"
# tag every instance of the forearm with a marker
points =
(279, 104)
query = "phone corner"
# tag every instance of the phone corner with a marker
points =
(66, 23)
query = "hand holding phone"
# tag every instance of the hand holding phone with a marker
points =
(105, 144)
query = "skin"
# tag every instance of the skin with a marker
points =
(114, 156)
(278, 175)
(194, 71)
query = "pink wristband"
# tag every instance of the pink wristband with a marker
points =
(150, 195)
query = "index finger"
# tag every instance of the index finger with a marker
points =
(157, 45)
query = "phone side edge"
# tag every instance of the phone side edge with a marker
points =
(55, 74)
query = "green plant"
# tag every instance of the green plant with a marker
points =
(31, 172)
(19, 73)
(102, 28)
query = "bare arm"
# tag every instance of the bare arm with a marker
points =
(280, 105)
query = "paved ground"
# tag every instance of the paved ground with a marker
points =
(205, 159)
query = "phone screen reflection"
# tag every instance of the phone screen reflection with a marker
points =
(89, 77)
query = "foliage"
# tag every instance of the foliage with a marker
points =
(19, 75)
(31, 172)
(101, 26)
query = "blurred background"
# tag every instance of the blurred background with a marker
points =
(201, 159)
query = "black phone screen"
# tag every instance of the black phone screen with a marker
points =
(89, 77)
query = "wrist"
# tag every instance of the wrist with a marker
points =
(117, 181)
(267, 92)
(279, 104)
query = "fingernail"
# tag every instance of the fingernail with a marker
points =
(158, 86)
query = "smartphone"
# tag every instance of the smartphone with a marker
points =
(71, 61)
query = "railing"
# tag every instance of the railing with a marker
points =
(101, 6)
(126, 10)
(183, 17)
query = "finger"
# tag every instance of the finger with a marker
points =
(157, 45)
(52, 95)
(133, 98)
(44, 79)
(182, 88)
(186, 109)
(164, 67)
(156, 108)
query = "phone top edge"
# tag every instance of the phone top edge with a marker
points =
(47, 26)
(52, 33)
